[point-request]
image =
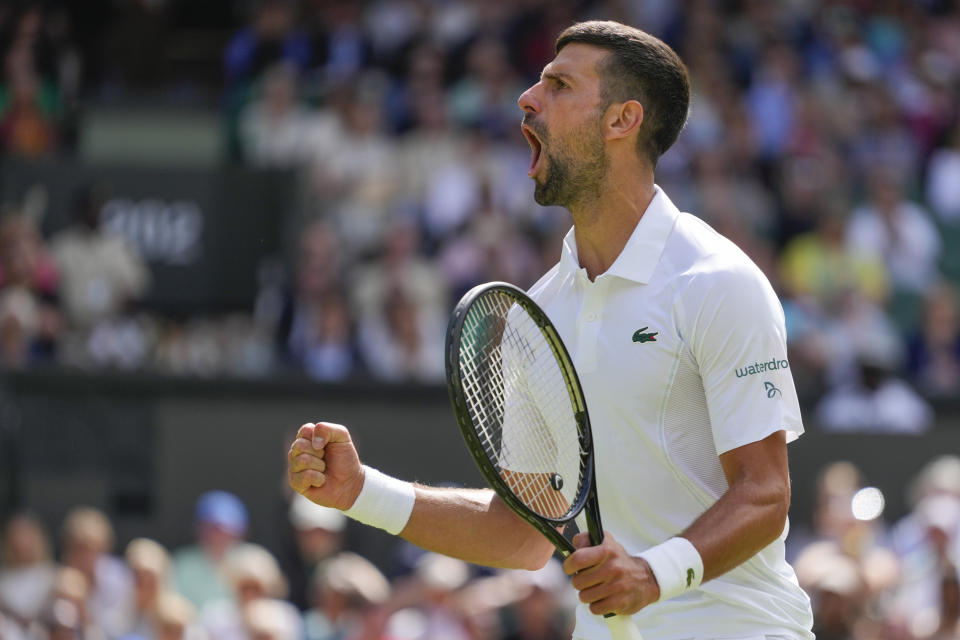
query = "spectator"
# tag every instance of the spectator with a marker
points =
(348, 596)
(318, 536)
(875, 400)
(88, 538)
(943, 176)
(801, 181)
(333, 354)
(416, 99)
(400, 300)
(441, 177)
(836, 589)
(402, 266)
(342, 47)
(67, 613)
(267, 619)
(395, 24)
(27, 574)
(490, 246)
(63, 620)
(934, 350)
(844, 562)
(435, 615)
(819, 266)
(101, 275)
(730, 197)
(150, 564)
(772, 97)
(277, 131)
(270, 37)
(220, 519)
(883, 140)
(827, 342)
(487, 94)
(896, 231)
(354, 185)
(175, 619)
(254, 576)
(30, 322)
(929, 570)
(29, 107)
(939, 477)
(315, 331)
(833, 520)
(404, 344)
(21, 28)
(538, 612)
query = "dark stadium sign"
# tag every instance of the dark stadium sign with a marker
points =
(162, 231)
(203, 232)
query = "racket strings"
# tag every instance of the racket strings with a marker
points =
(520, 406)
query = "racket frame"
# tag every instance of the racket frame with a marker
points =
(587, 496)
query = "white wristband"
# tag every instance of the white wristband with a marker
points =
(384, 502)
(677, 566)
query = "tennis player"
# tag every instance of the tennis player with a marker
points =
(679, 343)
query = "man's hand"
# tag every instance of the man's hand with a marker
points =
(609, 579)
(323, 465)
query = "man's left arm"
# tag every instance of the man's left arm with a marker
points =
(747, 518)
(753, 511)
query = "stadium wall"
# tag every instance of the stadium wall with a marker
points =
(143, 447)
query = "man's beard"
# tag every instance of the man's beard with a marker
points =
(574, 175)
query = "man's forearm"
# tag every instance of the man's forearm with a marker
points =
(747, 518)
(476, 526)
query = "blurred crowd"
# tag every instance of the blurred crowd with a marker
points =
(226, 587)
(823, 139)
(869, 577)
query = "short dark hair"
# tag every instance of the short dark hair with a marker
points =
(639, 67)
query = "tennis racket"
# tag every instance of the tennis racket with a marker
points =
(521, 410)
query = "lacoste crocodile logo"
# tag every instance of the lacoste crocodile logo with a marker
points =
(641, 337)
(690, 576)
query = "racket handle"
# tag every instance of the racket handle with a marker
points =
(623, 628)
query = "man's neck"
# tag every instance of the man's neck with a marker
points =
(603, 226)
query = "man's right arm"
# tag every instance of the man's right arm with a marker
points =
(471, 524)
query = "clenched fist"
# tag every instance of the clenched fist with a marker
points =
(323, 465)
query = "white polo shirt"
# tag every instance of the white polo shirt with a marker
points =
(681, 350)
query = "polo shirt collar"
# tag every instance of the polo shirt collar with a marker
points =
(640, 255)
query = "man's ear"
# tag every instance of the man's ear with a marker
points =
(623, 119)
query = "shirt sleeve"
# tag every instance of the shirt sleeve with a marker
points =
(734, 326)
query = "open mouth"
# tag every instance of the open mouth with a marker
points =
(536, 147)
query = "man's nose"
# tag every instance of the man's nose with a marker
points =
(528, 101)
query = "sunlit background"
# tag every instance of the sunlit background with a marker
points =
(224, 218)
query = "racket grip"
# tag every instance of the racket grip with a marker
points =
(623, 628)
